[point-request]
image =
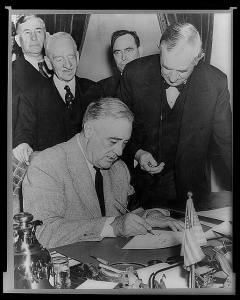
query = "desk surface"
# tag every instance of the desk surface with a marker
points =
(111, 250)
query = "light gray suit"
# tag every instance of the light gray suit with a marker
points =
(58, 189)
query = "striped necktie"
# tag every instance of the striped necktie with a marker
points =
(41, 69)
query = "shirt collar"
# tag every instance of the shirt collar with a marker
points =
(90, 166)
(34, 62)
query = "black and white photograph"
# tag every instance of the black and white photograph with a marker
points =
(120, 152)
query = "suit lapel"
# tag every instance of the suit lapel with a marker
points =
(56, 95)
(82, 181)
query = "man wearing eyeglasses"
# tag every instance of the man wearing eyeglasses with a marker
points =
(125, 47)
(54, 113)
(183, 120)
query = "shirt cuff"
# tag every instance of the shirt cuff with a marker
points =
(107, 228)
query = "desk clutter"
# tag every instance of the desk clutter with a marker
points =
(214, 271)
(198, 265)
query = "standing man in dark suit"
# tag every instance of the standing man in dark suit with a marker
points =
(125, 47)
(183, 119)
(29, 69)
(53, 113)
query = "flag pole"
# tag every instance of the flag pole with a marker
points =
(192, 277)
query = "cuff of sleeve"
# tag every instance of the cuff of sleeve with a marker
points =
(107, 228)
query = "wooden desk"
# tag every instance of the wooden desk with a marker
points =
(111, 250)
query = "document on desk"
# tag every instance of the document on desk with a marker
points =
(95, 284)
(224, 228)
(223, 214)
(162, 239)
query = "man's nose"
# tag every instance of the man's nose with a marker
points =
(124, 57)
(118, 149)
(173, 76)
(33, 36)
(67, 63)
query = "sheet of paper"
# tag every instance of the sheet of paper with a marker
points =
(175, 277)
(144, 273)
(224, 228)
(224, 213)
(95, 284)
(163, 239)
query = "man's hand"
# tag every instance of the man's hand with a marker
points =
(148, 163)
(163, 222)
(22, 152)
(130, 225)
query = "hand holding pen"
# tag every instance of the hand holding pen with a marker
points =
(137, 222)
(163, 222)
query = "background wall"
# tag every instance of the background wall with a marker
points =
(221, 46)
(222, 57)
(94, 63)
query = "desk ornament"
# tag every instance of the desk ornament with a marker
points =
(32, 262)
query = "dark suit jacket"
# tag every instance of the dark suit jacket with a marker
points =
(25, 80)
(44, 120)
(205, 130)
(110, 85)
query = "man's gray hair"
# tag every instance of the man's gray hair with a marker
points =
(107, 107)
(177, 32)
(57, 36)
(24, 18)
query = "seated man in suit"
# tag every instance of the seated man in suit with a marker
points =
(183, 120)
(59, 185)
(125, 47)
(29, 69)
(53, 112)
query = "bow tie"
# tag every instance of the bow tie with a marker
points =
(180, 87)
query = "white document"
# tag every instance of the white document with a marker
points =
(163, 239)
(175, 277)
(224, 228)
(223, 214)
(95, 284)
(144, 273)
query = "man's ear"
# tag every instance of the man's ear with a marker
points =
(17, 39)
(198, 58)
(77, 55)
(140, 50)
(48, 62)
(88, 129)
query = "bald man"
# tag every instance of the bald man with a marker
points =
(183, 120)
(54, 113)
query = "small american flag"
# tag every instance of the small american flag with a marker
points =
(193, 236)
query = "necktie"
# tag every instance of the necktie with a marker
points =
(68, 97)
(99, 190)
(41, 69)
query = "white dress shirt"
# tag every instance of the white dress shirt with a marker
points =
(60, 84)
(107, 228)
(172, 94)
